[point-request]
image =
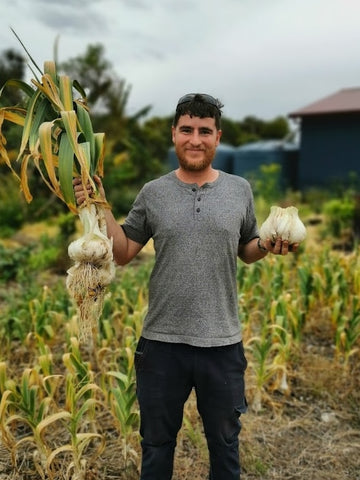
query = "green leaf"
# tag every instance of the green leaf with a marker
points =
(66, 95)
(87, 129)
(79, 88)
(66, 171)
(50, 69)
(55, 417)
(32, 60)
(99, 153)
(45, 137)
(40, 116)
(27, 89)
(28, 121)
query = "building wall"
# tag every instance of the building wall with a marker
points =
(330, 149)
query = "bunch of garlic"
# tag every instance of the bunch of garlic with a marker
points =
(283, 223)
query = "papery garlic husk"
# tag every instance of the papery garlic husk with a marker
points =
(93, 247)
(297, 228)
(283, 223)
(268, 228)
(93, 270)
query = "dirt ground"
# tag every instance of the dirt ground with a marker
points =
(313, 433)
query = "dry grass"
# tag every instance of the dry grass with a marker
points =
(313, 434)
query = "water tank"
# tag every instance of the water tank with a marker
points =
(250, 157)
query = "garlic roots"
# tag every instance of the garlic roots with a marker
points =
(283, 223)
(93, 270)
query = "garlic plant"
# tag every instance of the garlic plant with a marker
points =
(283, 223)
(93, 269)
(58, 137)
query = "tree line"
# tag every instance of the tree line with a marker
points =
(136, 145)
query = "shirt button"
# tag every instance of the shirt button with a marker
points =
(198, 199)
(198, 210)
(193, 189)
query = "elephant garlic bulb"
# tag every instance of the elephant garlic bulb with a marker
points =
(283, 223)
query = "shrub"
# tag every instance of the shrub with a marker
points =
(339, 213)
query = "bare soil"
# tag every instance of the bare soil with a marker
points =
(312, 433)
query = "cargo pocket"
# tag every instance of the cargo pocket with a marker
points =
(140, 352)
(240, 409)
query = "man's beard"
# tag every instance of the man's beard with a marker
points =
(194, 165)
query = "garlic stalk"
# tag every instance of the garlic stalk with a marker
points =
(283, 223)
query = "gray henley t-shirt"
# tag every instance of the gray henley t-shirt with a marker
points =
(196, 233)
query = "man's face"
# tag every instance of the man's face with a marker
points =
(195, 141)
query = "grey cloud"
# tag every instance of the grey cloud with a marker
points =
(150, 53)
(67, 17)
(74, 3)
(141, 4)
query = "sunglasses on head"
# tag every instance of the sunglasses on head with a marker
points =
(202, 97)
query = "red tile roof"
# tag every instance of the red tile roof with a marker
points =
(346, 100)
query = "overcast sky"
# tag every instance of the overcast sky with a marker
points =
(260, 57)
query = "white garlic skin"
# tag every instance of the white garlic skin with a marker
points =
(91, 248)
(94, 246)
(283, 223)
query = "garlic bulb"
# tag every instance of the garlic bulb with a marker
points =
(93, 247)
(283, 223)
(93, 270)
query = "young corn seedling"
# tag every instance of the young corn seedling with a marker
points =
(58, 139)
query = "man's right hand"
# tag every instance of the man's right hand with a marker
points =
(79, 191)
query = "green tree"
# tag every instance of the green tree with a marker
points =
(231, 131)
(12, 65)
(253, 129)
(276, 128)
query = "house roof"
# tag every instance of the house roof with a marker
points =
(346, 100)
